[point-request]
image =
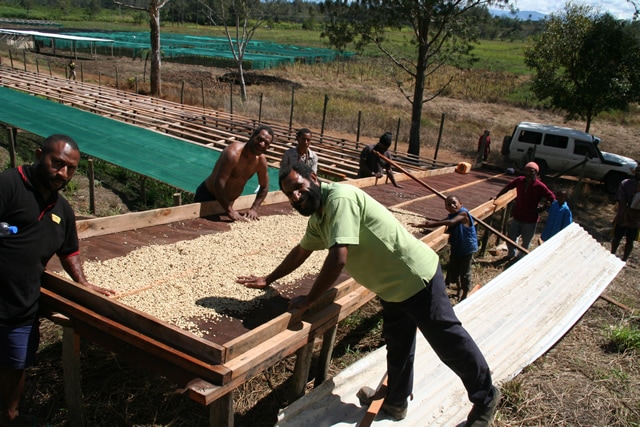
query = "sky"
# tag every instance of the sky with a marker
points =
(619, 8)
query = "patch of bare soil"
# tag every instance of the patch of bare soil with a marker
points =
(581, 381)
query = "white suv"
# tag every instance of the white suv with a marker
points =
(562, 150)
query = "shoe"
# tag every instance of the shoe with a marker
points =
(366, 395)
(482, 415)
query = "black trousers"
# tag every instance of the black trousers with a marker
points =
(431, 312)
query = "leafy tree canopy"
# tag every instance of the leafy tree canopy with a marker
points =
(585, 63)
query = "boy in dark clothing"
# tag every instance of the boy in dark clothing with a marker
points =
(463, 240)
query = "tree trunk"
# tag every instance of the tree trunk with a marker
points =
(243, 85)
(154, 24)
(416, 106)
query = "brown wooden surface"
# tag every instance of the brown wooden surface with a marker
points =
(485, 185)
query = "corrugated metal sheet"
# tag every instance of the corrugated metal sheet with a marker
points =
(515, 319)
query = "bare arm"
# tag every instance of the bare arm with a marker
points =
(263, 180)
(461, 217)
(331, 269)
(73, 267)
(290, 263)
(222, 172)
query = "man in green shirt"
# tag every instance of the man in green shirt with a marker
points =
(363, 237)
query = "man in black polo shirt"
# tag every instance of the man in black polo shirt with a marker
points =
(46, 225)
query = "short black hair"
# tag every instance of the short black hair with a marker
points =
(302, 132)
(302, 169)
(260, 129)
(47, 144)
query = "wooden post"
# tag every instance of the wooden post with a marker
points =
(37, 66)
(358, 129)
(395, 147)
(435, 155)
(177, 199)
(117, 85)
(485, 238)
(260, 110)
(50, 73)
(136, 81)
(231, 97)
(24, 59)
(92, 187)
(202, 92)
(182, 93)
(143, 190)
(221, 411)
(301, 371)
(324, 360)
(72, 376)
(293, 91)
(11, 58)
(81, 73)
(324, 116)
(12, 134)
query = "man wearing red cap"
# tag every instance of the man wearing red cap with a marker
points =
(532, 197)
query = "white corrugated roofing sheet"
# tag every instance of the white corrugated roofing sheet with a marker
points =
(515, 318)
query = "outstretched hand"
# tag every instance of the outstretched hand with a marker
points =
(104, 291)
(252, 281)
(252, 215)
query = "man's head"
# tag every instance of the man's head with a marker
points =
(383, 143)
(261, 139)
(303, 137)
(302, 188)
(531, 170)
(452, 204)
(57, 159)
(562, 196)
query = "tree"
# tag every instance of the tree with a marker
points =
(442, 32)
(153, 9)
(246, 16)
(585, 63)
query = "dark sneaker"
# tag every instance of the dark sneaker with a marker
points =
(396, 412)
(482, 415)
(366, 395)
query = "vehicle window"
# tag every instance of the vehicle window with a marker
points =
(556, 141)
(530, 137)
(582, 148)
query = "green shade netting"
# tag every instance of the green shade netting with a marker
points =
(178, 163)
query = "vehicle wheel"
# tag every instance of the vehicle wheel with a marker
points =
(612, 181)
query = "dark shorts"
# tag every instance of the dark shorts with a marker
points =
(202, 194)
(18, 345)
(629, 233)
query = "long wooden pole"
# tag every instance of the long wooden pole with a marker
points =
(442, 196)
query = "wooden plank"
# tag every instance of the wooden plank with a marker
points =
(115, 311)
(87, 321)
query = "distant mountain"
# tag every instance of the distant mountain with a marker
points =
(523, 15)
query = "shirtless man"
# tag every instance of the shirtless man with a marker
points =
(237, 163)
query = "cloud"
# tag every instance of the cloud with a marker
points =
(619, 8)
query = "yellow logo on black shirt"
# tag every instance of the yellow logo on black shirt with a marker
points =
(55, 218)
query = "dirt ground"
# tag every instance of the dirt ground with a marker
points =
(581, 381)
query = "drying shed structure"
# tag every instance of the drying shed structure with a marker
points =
(515, 318)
